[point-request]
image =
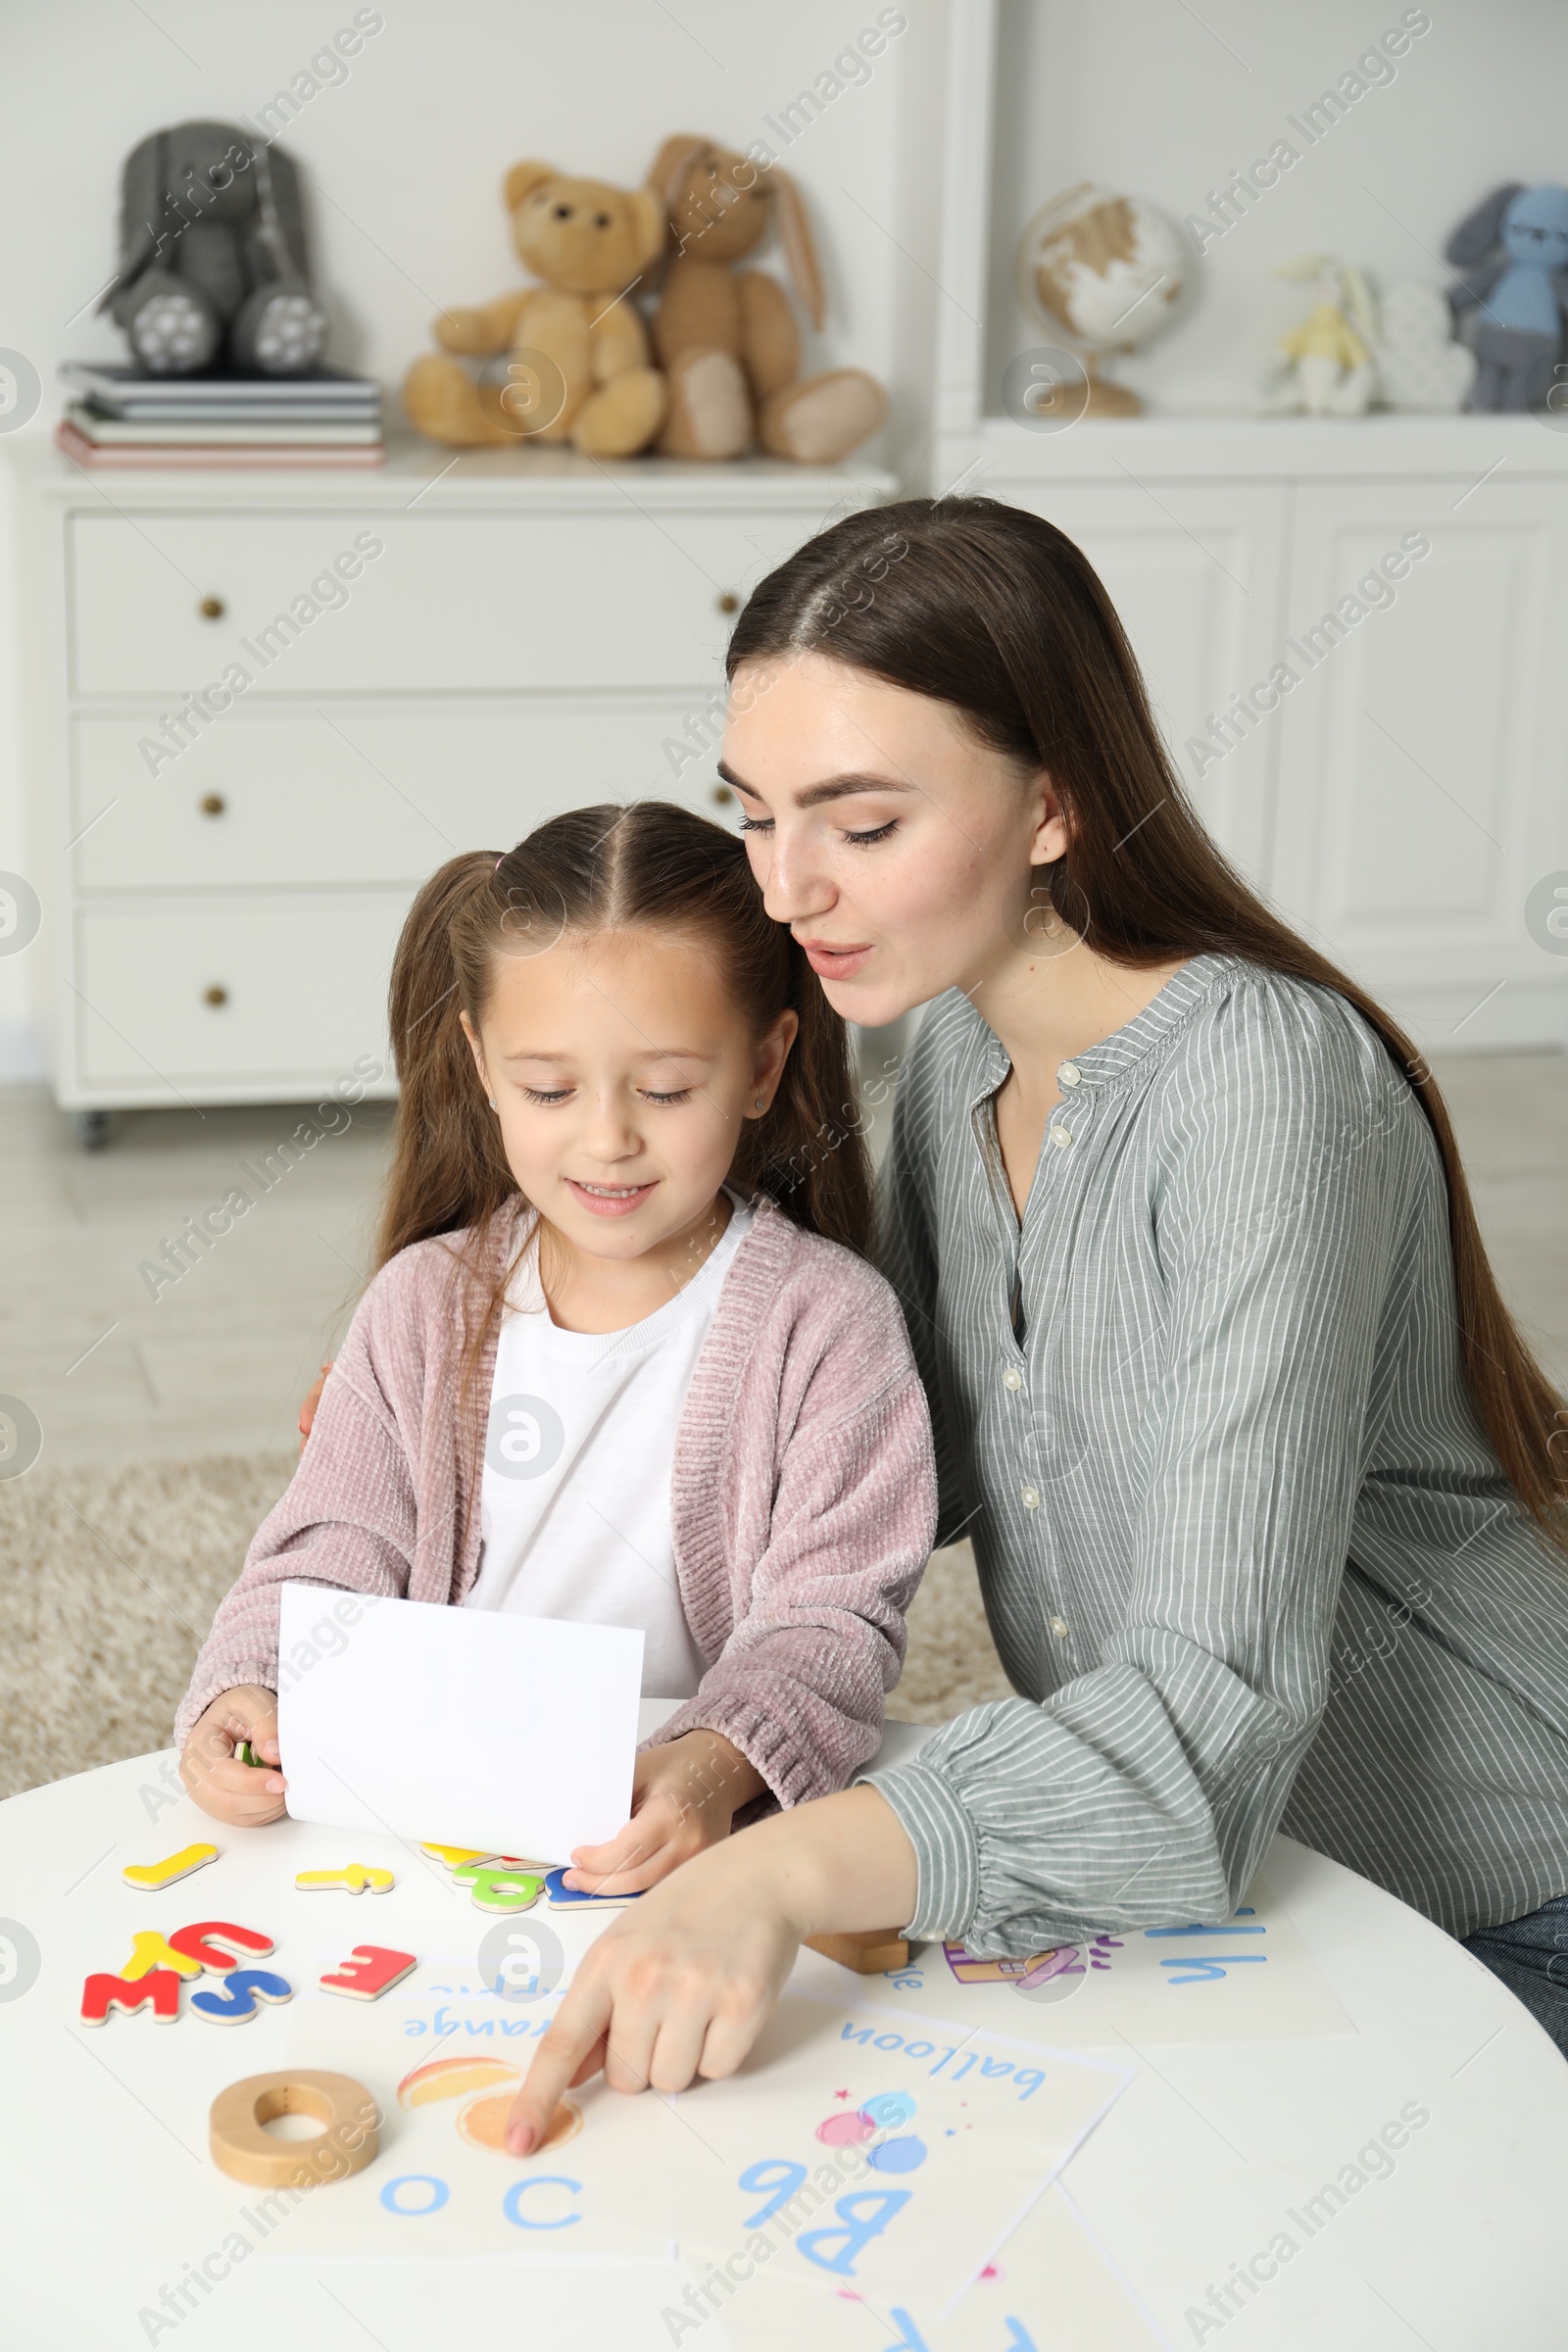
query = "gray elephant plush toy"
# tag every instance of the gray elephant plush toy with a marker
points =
(1512, 300)
(212, 261)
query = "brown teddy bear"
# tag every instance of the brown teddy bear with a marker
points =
(568, 359)
(727, 339)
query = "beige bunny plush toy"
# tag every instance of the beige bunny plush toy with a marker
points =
(1325, 365)
(726, 338)
(567, 359)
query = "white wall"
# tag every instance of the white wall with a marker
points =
(1157, 99)
(405, 155)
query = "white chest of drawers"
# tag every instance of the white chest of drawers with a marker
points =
(259, 709)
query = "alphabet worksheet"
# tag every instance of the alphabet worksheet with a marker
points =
(856, 2152)
(1249, 1977)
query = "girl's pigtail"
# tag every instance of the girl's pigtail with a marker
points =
(447, 1169)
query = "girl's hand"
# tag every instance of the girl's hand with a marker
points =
(684, 1797)
(211, 1770)
(682, 1983)
(308, 1408)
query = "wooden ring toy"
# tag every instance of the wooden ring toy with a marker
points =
(242, 2148)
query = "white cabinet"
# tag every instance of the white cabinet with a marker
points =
(1399, 802)
(1402, 800)
(260, 710)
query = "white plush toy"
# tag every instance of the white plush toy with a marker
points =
(1326, 366)
(1420, 368)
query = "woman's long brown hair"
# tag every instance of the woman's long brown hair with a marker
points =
(991, 609)
(651, 867)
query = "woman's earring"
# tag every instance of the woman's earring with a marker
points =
(761, 1102)
(492, 1101)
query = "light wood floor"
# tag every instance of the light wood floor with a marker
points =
(219, 1361)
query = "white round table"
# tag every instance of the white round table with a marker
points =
(109, 2191)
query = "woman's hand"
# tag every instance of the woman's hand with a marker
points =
(681, 1985)
(684, 1796)
(211, 1770)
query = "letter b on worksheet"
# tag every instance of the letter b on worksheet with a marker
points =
(524, 1438)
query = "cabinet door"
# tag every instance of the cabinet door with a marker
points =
(1194, 571)
(1422, 752)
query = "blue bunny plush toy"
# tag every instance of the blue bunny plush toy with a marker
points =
(1513, 296)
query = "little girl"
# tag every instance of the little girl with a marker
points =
(621, 1361)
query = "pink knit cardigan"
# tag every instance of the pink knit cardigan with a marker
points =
(802, 1495)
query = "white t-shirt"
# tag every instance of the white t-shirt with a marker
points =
(575, 1501)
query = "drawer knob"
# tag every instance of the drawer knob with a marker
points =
(212, 607)
(729, 602)
(212, 804)
(216, 994)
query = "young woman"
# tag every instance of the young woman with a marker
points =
(1264, 1486)
(622, 1360)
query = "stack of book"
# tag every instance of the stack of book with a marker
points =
(119, 417)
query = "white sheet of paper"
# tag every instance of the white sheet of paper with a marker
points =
(464, 1727)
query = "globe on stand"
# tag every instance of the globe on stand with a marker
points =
(1107, 273)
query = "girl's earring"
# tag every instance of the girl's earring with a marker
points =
(761, 1102)
(492, 1101)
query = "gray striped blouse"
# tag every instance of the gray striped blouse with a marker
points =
(1243, 1546)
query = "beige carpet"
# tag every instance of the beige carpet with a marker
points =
(108, 1583)
(109, 1580)
(952, 1662)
